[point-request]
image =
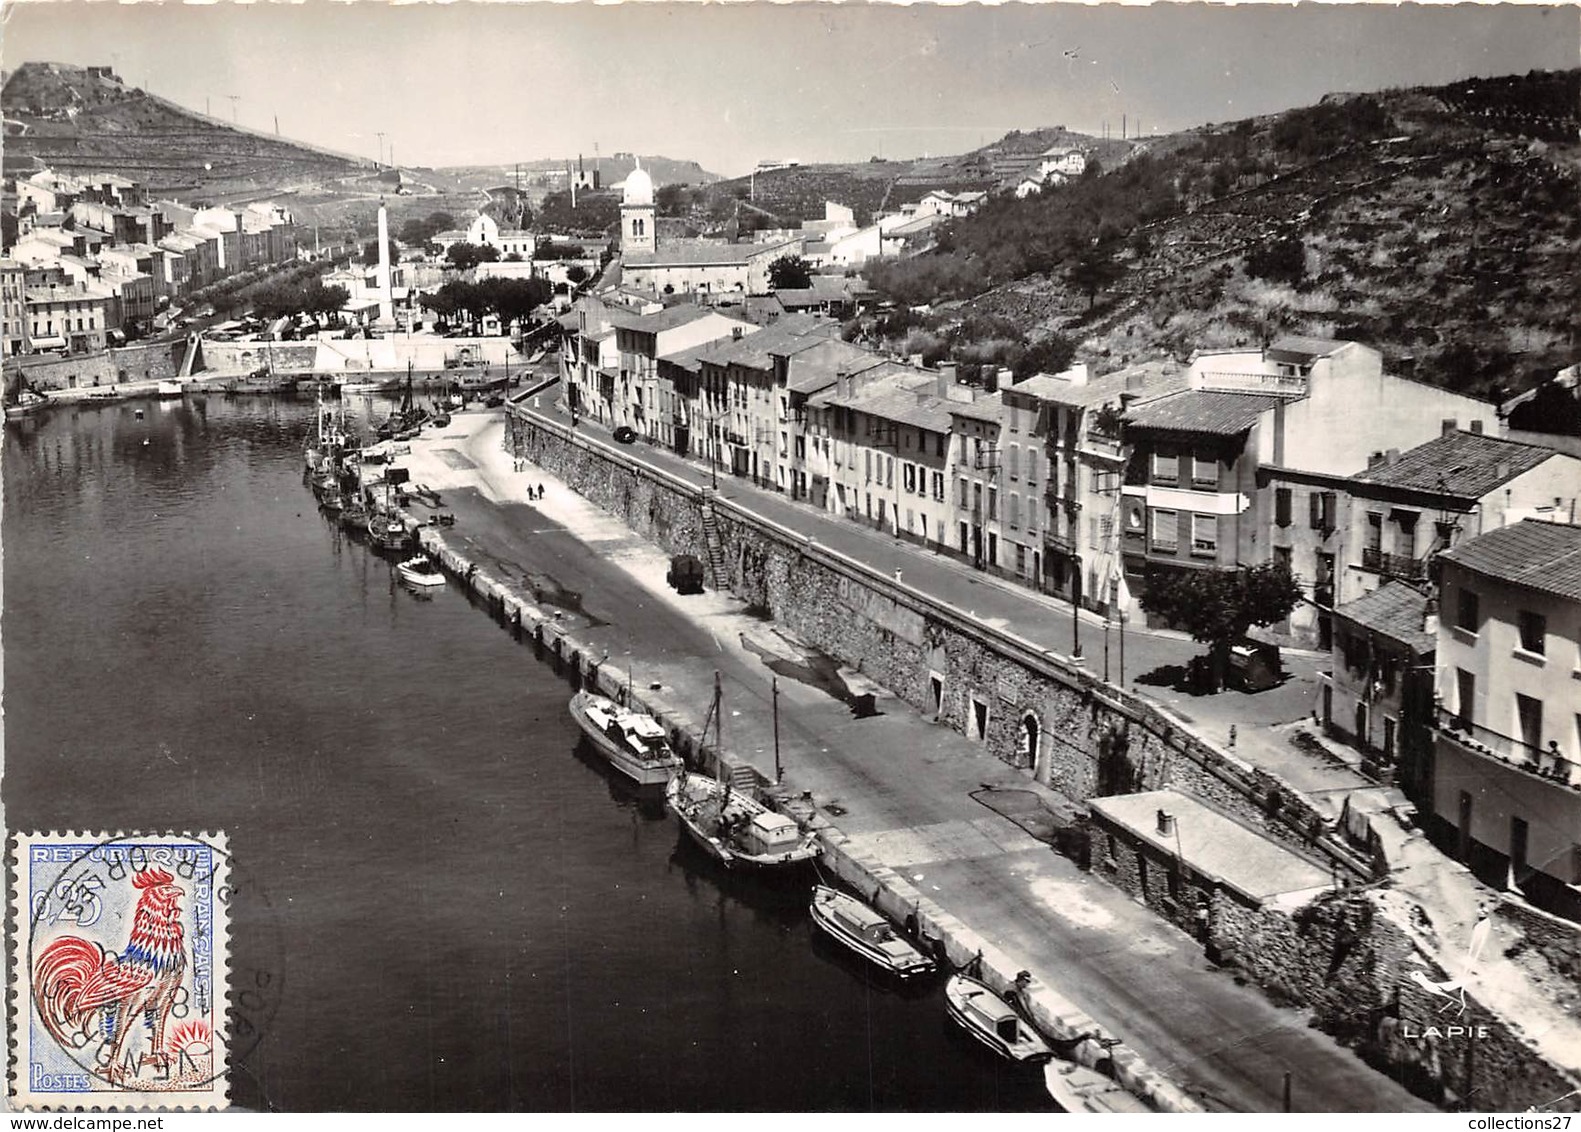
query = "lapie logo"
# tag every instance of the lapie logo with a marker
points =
(1453, 990)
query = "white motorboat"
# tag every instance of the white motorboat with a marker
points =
(993, 1021)
(734, 828)
(1079, 1089)
(168, 389)
(420, 571)
(865, 931)
(633, 743)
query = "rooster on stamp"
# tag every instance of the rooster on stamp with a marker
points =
(119, 992)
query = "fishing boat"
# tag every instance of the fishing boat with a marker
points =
(633, 743)
(1079, 1089)
(993, 1021)
(734, 829)
(865, 931)
(386, 527)
(403, 423)
(420, 571)
(27, 403)
(354, 515)
(168, 389)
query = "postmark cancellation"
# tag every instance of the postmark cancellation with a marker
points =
(118, 971)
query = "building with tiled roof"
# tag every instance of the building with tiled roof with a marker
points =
(880, 447)
(1063, 438)
(1504, 794)
(1378, 694)
(1407, 508)
(1254, 461)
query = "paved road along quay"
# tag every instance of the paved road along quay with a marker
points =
(902, 788)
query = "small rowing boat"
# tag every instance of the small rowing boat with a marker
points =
(865, 931)
(993, 1021)
(1079, 1089)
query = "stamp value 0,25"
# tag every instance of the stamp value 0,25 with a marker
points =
(119, 984)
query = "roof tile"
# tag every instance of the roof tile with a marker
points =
(1541, 556)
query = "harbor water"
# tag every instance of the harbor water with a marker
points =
(444, 904)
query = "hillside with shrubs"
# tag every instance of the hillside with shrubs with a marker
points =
(1441, 225)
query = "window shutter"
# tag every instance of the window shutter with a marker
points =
(1317, 511)
(1282, 499)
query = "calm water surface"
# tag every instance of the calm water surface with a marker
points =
(452, 909)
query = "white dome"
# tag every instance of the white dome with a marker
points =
(639, 187)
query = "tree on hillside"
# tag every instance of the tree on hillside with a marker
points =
(789, 273)
(1050, 354)
(464, 257)
(1217, 607)
(370, 253)
(1280, 261)
(576, 274)
(1094, 270)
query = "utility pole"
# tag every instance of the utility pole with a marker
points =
(234, 99)
(778, 774)
(277, 125)
(380, 135)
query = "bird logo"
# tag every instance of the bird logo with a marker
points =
(1453, 990)
(87, 996)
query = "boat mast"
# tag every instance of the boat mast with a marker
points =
(719, 743)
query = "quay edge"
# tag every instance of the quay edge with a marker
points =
(1049, 1010)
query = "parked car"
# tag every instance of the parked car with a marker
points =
(625, 434)
(1254, 666)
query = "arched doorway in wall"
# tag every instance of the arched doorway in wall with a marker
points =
(1030, 746)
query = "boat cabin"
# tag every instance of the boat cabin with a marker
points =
(772, 833)
(642, 734)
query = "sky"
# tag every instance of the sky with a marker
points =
(729, 85)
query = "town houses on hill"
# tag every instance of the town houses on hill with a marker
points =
(95, 261)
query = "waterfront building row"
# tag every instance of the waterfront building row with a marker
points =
(94, 260)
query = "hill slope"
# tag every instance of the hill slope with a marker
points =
(1442, 225)
(84, 119)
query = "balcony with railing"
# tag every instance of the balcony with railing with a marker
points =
(1273, 383)
(1549, 764)
(1102, 444)
(1393, 565)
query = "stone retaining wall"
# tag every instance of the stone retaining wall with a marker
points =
(1094, 739)
(153, 362)
(1345, 958)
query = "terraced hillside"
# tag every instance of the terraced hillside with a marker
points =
(85, 119)
(1442, 225)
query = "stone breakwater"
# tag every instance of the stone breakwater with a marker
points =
(560, 647)
(1094, 740)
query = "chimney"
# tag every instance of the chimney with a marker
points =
(1166, 823)
(916, 361)
(1374, 460)
(842, 381)
(1430, 616)
(1503, 470)
(1392, 456)
(735, 333)
(946, 379)
(1476, 427)
(1006, 377)
(1448, 425)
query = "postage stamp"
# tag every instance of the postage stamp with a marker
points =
(118, 983)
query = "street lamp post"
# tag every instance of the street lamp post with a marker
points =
(1075, 608)
(1105, 650)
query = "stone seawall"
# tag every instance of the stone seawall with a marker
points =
(1093, 739)
(153, 362)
